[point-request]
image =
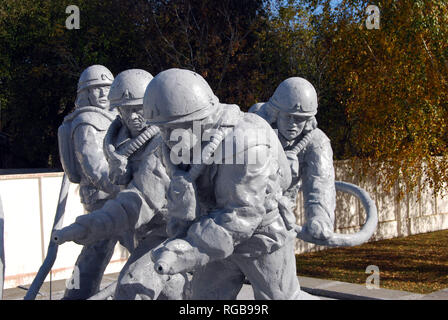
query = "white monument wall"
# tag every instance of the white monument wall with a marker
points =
(30, 201)
(29, 205)
(396, 218)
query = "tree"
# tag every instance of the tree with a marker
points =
(41, 60)
(382, 93)
(213, 38)
(392, 83)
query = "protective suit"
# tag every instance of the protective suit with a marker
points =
(237, 230)
(81, 139)
(291, 111)
(315, 175)
(308, 150)
(135, 217)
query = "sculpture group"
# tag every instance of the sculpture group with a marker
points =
(199, 213)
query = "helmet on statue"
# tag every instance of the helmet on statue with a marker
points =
(295, 96)
(177, 96)
(129, 87)
(96, 75)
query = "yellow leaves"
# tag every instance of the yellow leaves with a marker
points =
(59, 30)
(392, 76)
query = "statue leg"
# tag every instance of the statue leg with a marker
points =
(272, 276)
(90, 265)
(89, 269)
(139, 281)
(218, 280)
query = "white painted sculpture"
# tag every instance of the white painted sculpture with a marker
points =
(128, 133)
(136, 216)
(81, 138)
(223, 217)
(209, 195)
(81, 151)
(291, 110)
(228, 226)
(131, 146)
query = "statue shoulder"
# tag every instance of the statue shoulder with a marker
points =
(93, 116)
(256, 107)
(250, 131)
(318, 149)
(264, 110)
(319, 140)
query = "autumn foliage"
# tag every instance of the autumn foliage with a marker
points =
(382, 93)
(393, 84)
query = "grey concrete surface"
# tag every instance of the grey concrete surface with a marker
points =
(438, 295)
(323, 289)
(349, 291)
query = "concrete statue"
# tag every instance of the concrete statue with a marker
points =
(291, 110)
(129, 132)
(136, 216)
(222, 219)
(223, 215)
(308, 150)
(213, 194)
(81, 151)
(81, 138)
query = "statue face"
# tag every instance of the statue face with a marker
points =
(289, 125)
(98, 96)
(133, 118)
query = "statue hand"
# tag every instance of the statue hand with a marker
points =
(181, 198)
(319, 227)
(119, 172)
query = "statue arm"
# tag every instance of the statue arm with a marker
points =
(89, 153)
(131, 209)
(116, 217)
(318, 183)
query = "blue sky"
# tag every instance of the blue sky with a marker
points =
(334, 3)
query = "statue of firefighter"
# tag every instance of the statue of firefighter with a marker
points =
(81, 138)
(136, 216)
(291, 110)
(224, 220)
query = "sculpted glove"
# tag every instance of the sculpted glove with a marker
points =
(319, 226)
(119, 172)
(181, 207)
(176, 256)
